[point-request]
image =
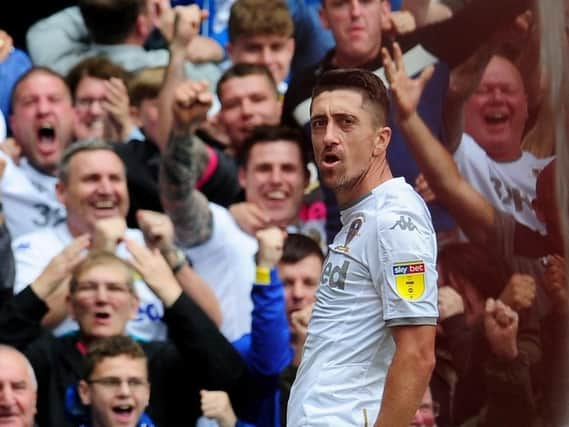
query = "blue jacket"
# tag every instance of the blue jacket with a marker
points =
(11, 69)
(266, 350)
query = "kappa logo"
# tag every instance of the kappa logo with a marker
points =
(404, 224)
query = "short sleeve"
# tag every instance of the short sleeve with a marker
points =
(407, 279)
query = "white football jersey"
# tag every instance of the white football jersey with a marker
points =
(380, 272)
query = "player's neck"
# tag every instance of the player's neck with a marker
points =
(375, 176)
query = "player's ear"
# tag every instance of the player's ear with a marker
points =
(381, 140)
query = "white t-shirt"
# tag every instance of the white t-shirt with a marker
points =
(226, 263)
(34, 251)
(29, 198)
(508, 186)
(380, 272)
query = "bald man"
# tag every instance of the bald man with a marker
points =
(18, 389)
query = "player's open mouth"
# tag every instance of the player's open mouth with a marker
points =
(330, 160)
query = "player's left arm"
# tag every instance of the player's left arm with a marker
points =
(409, 293)
(408, 375)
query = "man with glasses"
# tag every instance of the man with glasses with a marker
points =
(92, 187)
(102, 299)
(101, 101)
(115, 383)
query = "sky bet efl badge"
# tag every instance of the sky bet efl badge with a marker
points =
(409, 279)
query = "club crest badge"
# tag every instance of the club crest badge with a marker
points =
(353, 231)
